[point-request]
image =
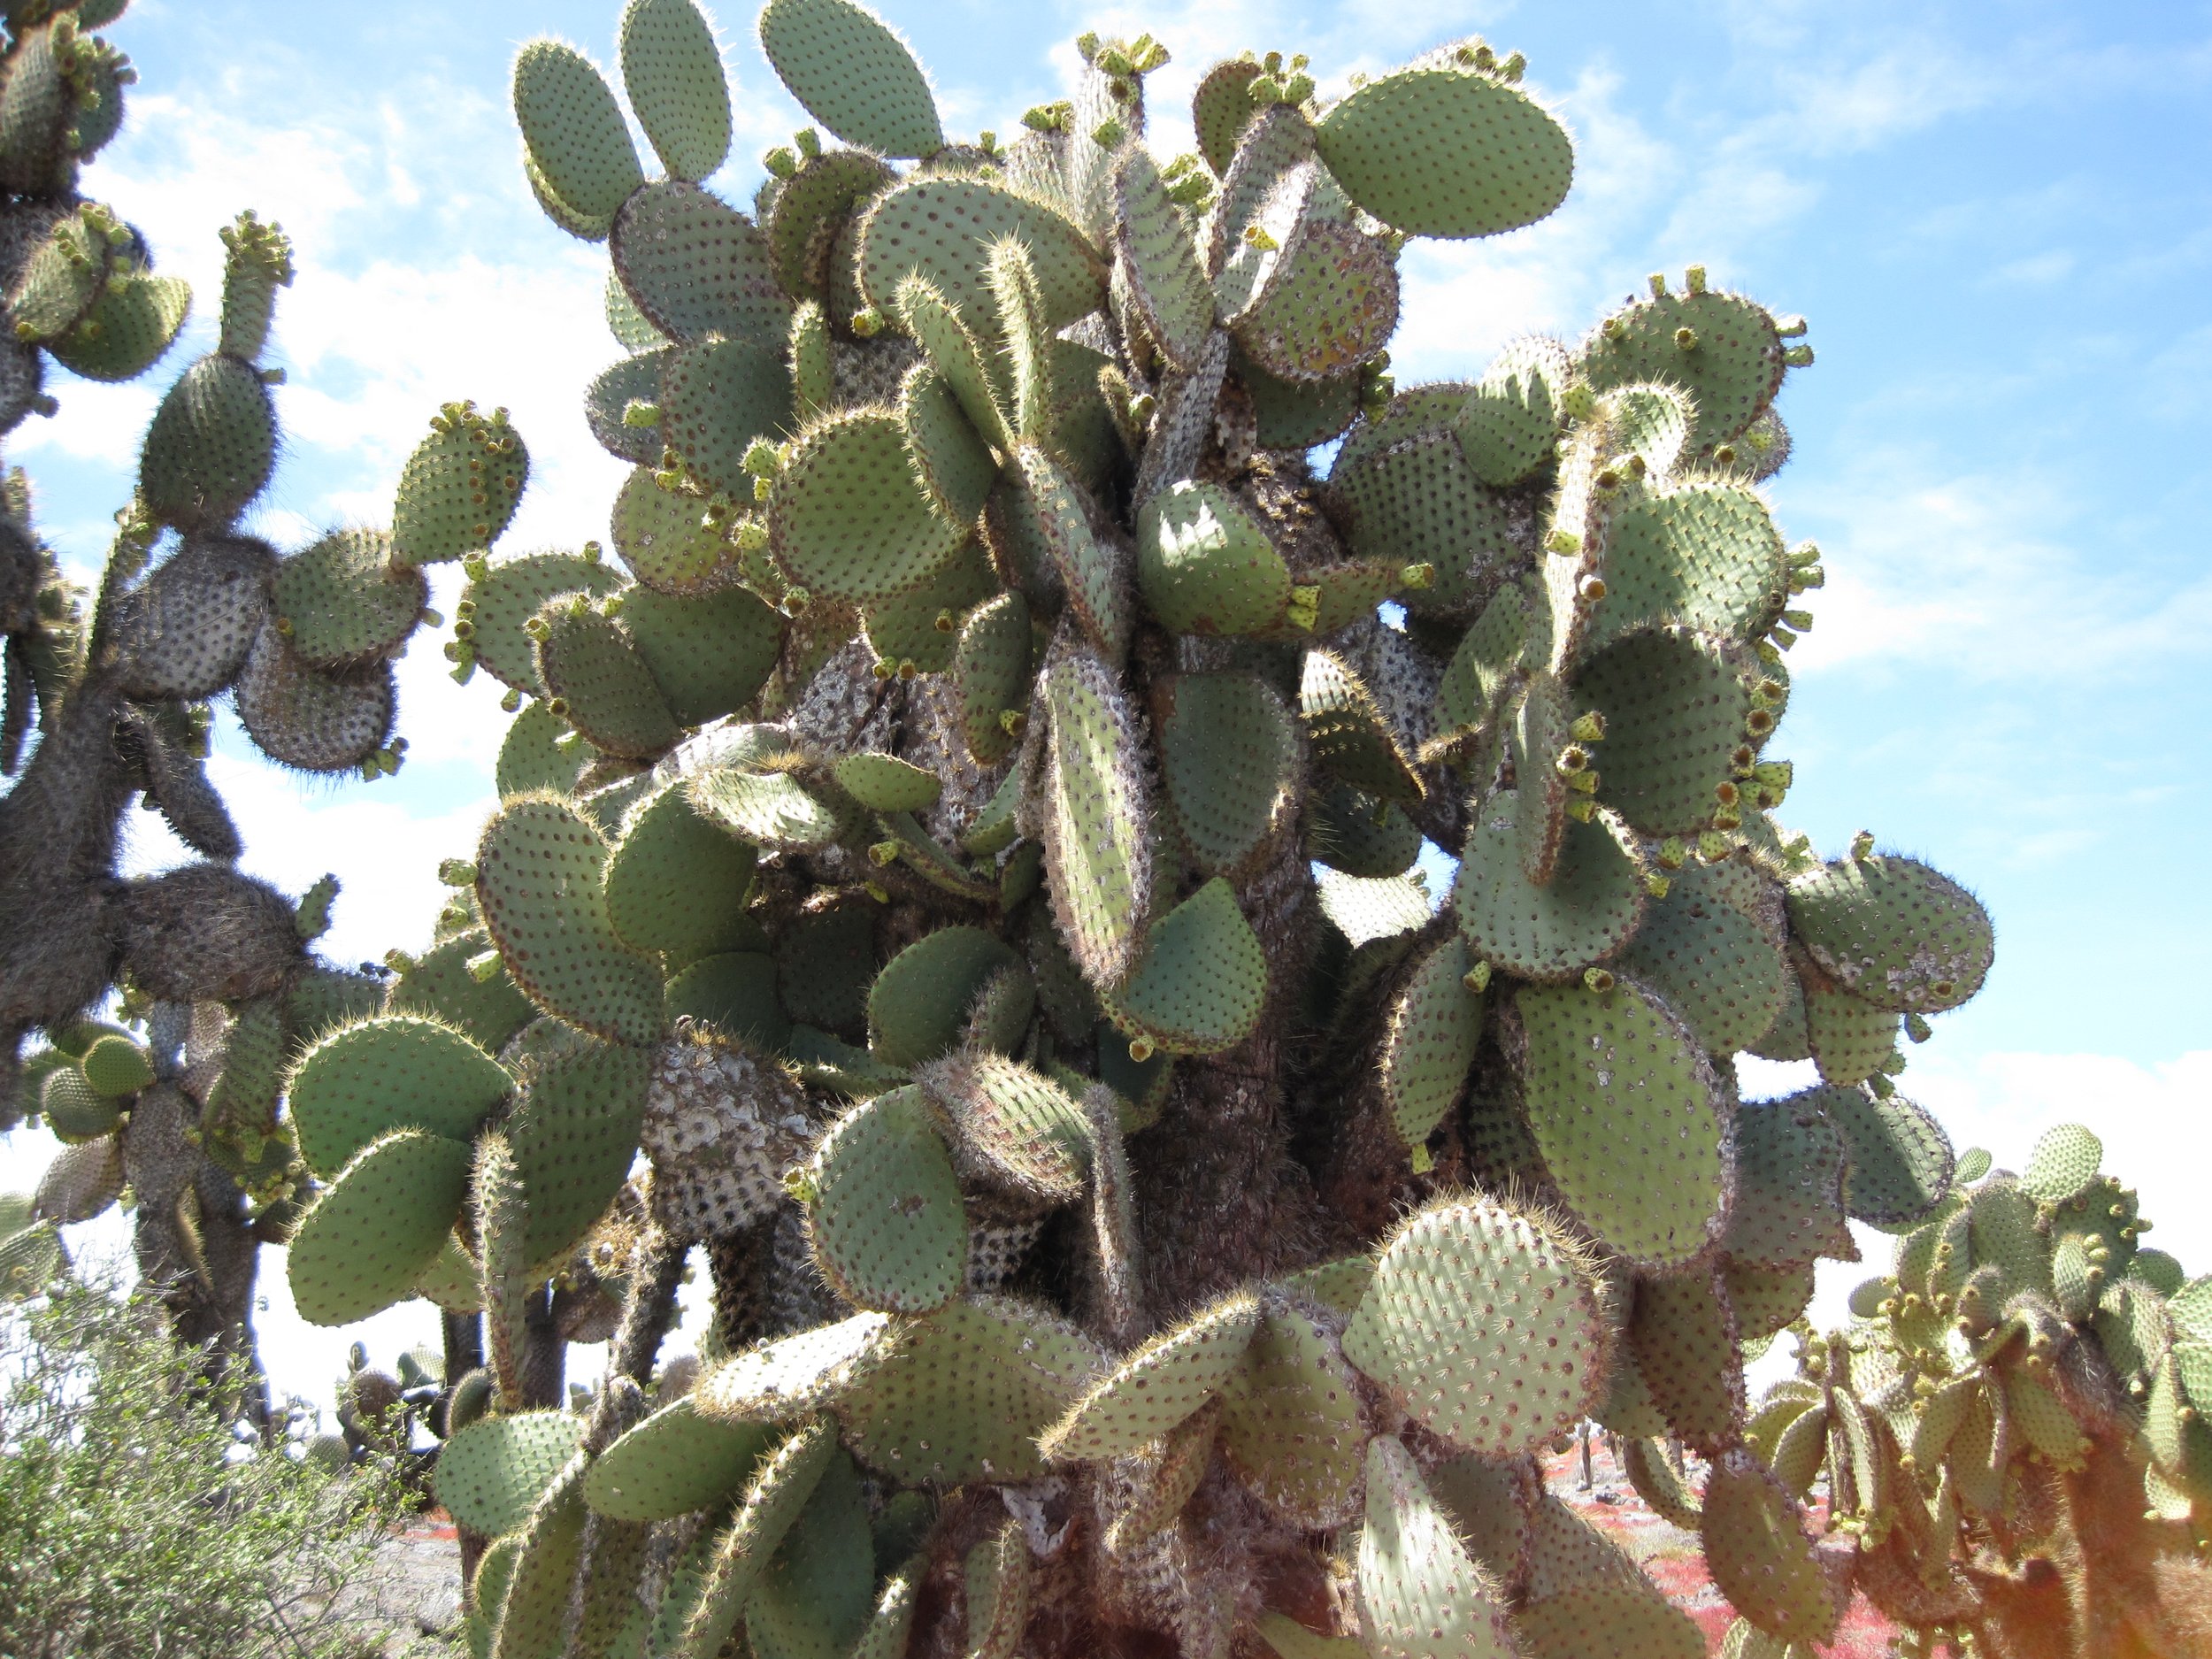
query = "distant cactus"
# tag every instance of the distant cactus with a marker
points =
(2010, 1430)
(966, 833)
(180, 1101)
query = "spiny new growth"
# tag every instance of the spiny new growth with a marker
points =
(179, 1099)
(2011, 1428)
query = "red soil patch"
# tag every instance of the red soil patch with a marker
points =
(1673, 1561)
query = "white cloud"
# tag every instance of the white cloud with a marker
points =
(1981, 573)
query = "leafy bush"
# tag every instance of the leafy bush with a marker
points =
(133, 1519)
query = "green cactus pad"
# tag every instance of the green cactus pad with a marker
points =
(587, 665)
(574, 128)
(709, 653)
(1652, 422)
(74, 1110)
(1675, 704)
(1097, 855)
(539, 868)
(1851, 1039)
(1787, 1208)
(1091, 571)
(345, 601)
(531, 758)
(367, 1239)
(675, 882)
(813, 1601)
(954, 466)
(1294, 414)
(891, 1622)
(59, 282)
(781, 1486)
(1759, 1557)
(1202, 980)
(1488, 1507)
(717, 397)
(886, 1221)
(1420, 502)
(1000, 1575)
(586, 227)
(398, 1071)
(1511, 418)
(921, 1002)
(953, 351)
(809, 227)
(459, 487)
(1600, 1621)
(991, 668)
(1014, 1130)
(1359, 835)
(853, 74)
(1594, 901)
(768, 807)
(211, 448)
(1717, 966)
(1731, 372)
(1684, 1335)
(695, 266)
(783, 1380)
(1327, 306)
(1421, 1595)
(673, 75)
(135, 320)
(1613, 1080)
(943, 229)
(1482, 1322)
(1475, 681)
(115, 1066)
(439, 983)
(1291, 1424)
(510, 593)
(1157, 1387)
(884, 783)
(490, 1475)
(574, 1134)
(1894, 933)
(1704, 554)
(301, 717)
(921, 627)
(963, 1393)
(1154, 240)
(1348, 733)
(1447, 152)
(1898, 1160)
(848, 519)
(2065, 1160)
(1229, 757)
(1206, 565)
(1537, 736)
(1435, 1023)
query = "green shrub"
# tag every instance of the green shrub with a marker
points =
(134, 1519)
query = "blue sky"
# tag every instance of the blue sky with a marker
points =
(1994, 216)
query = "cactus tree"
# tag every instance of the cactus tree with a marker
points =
(177, 1096)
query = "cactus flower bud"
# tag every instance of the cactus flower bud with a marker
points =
(781, 161)
(1417, 576)
(1562, 541)
(1597, 979)
(1477, 979)
(1257, 236)
(456, 872)
(1799, 356)
(1141, 1050)
(639, 413)
(1109, 133)
(883, 854)
(1687, 338)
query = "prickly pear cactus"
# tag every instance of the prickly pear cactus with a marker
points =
(106, 697)
(962, 824)
(2009, 1432)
